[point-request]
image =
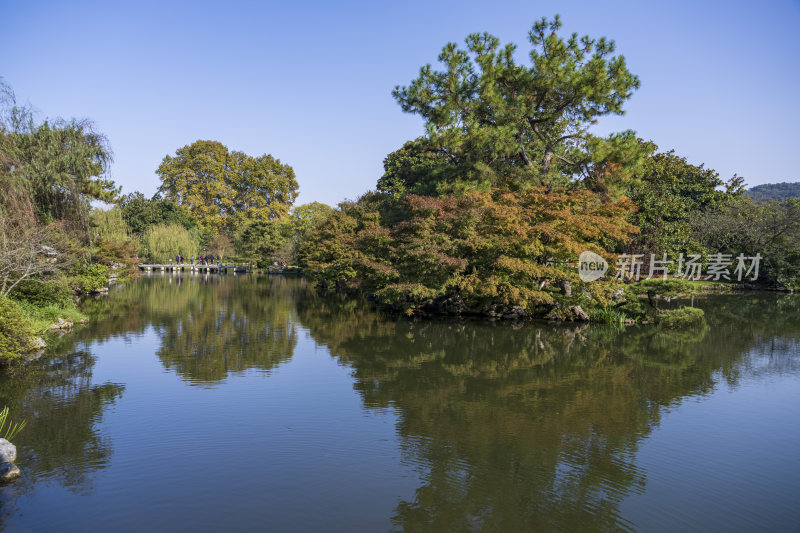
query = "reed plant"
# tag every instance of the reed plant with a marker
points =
(13, 428)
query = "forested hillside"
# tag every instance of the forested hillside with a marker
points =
(774, 191)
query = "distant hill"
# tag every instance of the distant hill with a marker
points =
(774, 191)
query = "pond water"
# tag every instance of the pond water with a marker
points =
(252, 403)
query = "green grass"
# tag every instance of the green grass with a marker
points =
(43, 317)
(22, 322)
(608, 316)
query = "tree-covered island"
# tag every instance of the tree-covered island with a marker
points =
(484, 214)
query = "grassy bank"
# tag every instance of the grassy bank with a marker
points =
(25, 327)
(36, 310)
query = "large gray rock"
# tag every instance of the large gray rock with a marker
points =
(8, 452)
(9, 472)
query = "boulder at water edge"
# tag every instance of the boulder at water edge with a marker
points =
(579, 314)
(9, 472)
(8, 452)
(61, 324)
(39, 344)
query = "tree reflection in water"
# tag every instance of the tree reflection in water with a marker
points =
(209, 326)
(509, 427)
(61, 442)
(228, 328)
(537, 426)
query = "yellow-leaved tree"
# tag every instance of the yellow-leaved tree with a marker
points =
(226, 189)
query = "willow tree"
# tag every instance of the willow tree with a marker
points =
(61, 163)
(225, 190)
(493, 122)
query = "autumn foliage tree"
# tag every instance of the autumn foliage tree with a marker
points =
(481, 252)
(226, 189)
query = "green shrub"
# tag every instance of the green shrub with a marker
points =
(405, 297)
(43, 293)
(16, 330)
(683, 317)
(667, 287)
(89, 277)
(633, 303)
(641, 300)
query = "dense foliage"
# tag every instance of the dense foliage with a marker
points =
(670, 191)
(488, 212)
(109, 225)
(265, 241)
(16, 330)
(43, 293)
(491, 122)
(225, 190)
(140, 213)
(479, 252)
(163, 242)
(61, 163)
(682, 318)
(770, 229)
(50, 172)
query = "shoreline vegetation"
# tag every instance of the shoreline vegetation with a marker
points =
(485, 214)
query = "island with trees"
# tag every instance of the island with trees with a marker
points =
(485, 214)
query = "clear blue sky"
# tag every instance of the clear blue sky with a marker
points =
(310, 82)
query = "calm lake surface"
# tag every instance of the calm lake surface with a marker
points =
(201, 403)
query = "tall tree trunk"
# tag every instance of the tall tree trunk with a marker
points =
(548, 157)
